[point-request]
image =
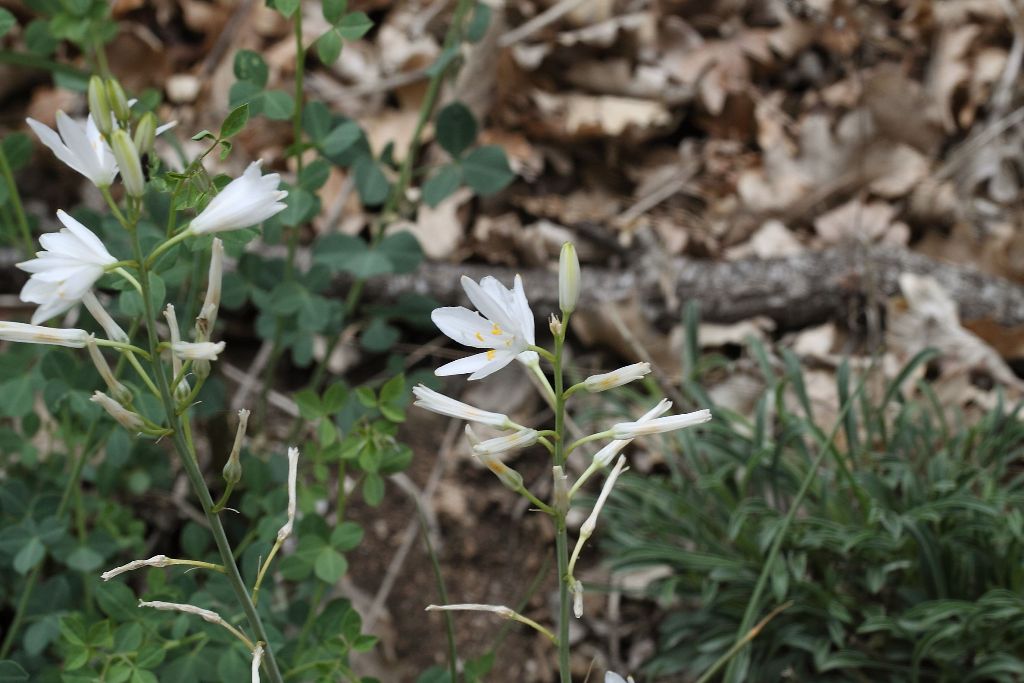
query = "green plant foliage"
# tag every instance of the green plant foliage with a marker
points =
(902, 564)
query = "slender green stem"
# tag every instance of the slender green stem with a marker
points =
(19, 210)
(164, 246)
(142, 373)
(121, 346)
(538, 503)
(442, 592)
(114, 208)
(129, 278)
(543, 353)
(101, 57)
(600, 436)
(741, 643)
(561, 533)
(195, 476)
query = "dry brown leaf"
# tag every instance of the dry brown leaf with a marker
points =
(439, 229)
(857, 221)
(576, 115)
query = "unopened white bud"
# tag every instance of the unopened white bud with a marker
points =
(37, 334)
(99, 107)
(555, 325)
(508, 476)
(568, 278)
(126, 418)
(120, 392)
(127, 157)
(510, 442)
(616, 378)
(577, 598)
(113, 331)
(631, 430)
(211, 305)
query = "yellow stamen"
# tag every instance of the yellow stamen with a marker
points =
(479, 336)
(491, 354)
(496, 331)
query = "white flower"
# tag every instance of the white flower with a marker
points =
(80, 147)
(37, 334)
(510, 442)
(630, 430)
(428, 399)
(71, 263)
(612, 677)
(155, 561)
(605, 455)
(506, 326)
(616, 378)
(196, 350)
(247, 200)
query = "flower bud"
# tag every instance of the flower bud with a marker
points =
(99, 107)
(208, 313)
(126, 418)
(120, 392)
(577, 598)
(233, 468)
(128, 162)
(555, 325)
(616, 378)
(117, 101)
(113, 331)
(145, 133)
(508, 476)
(568, 279)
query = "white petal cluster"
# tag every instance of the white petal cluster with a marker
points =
(71, 262)
(605, 455)
(246, 201)
(81, 147)
(504, 326)
(37, 334)
(428, 399)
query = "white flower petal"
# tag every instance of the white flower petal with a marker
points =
(465, 326)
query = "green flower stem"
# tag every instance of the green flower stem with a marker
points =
(114, 208)
(129, 278)
(263, 569)
(19, 210)
(740, 644)
(540, 505)
(142, 373)
(582, 479)
(121, 346)
(164, 246)
(561, 533)
(187, 456)
(600, 436)
(543, 353)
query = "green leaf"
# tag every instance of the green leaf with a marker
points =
(456, 128)
(328, 46)
(486, 170)
(38, 38)
(285, 7)
(342, 137)
(371, 182)
(16, 394)
(204, 134)
(18, 149)
(378, 336)
(235, 121)
(394, 399)
(478, 24)
(442, 184)
(346, 536)
(334, 398)
(373, 489)
(278, 105)
(249, 66)
(7, 21)
(442, 61)
(29, 556)
(350, 254)
(316, 120)
(402, 250)
(11, 672)
(354, 26)
(84, 559)
(333, 10)
(330, 565)
(301, 207)
(310, 406)
(286, 298)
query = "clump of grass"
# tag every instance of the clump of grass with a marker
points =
(903, 557)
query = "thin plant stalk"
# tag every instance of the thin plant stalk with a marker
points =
(19, 211)
(186, 453)
(442, 593)
(561, 533)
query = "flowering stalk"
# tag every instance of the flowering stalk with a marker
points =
(182, 438)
